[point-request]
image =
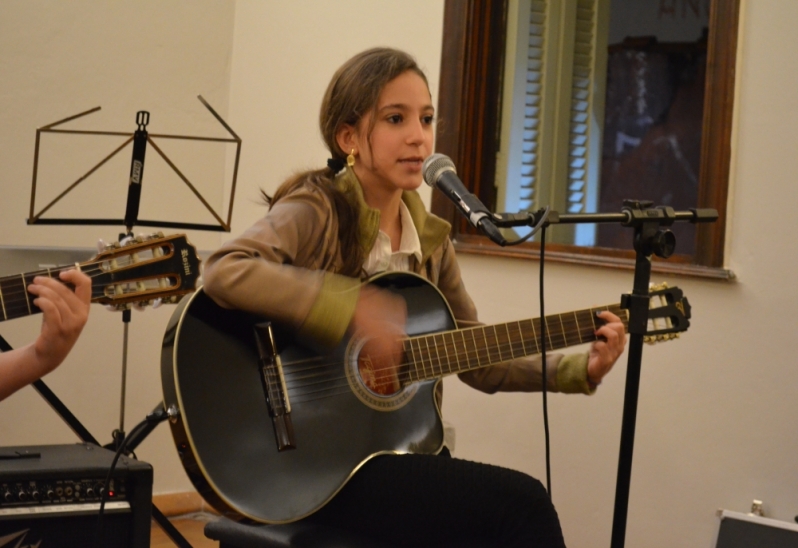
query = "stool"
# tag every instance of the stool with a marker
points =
(232, 534)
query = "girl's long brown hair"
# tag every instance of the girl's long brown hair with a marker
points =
(352, 93)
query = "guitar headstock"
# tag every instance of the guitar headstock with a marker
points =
(668, 314)
(143, 269)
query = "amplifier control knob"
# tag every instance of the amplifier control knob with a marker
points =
(90, 491)
(23, 495)
(35, 495)
(7, 496)
(50, 494)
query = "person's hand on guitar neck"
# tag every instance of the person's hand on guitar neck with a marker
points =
(380, 318)
(65, 313)
(605, 351)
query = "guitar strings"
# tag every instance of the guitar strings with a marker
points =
(319, 375)
(504, 345)
(332, 386)
(434, 364)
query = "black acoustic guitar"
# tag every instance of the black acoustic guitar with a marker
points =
(139, 271)
(269, 430)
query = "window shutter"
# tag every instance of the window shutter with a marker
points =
(581, 105)
(532, 104)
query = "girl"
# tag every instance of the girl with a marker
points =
(327, 231)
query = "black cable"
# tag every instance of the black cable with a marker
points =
(545, 363)
(156, 416)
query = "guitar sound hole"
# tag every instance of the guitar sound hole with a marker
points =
(378, 381)
(379, 372)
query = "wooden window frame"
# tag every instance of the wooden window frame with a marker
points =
(469, 112)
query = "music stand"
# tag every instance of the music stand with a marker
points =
(140, 139)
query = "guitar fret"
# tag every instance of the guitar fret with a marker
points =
(25, 291)
(421, 358)
(562, 328)
(498, 343)
(488, 345)
(423, 371)
(465, 349)
(522, 338)
(571, 329)
(409, 355)
(509, 340)
(446, 351)
(437, 355)
(455, 351)
(429, 353)
(545, 327)
(587, 323)
(476, 347)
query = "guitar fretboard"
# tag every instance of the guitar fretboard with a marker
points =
(440, 354)
(15, 300)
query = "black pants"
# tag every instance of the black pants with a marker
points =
(426, 500)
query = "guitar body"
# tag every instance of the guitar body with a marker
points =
(224, 433)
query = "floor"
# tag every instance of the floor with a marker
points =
(191, 526)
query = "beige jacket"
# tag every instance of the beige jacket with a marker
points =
(284, 267)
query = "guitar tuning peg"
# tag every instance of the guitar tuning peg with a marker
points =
(157, 302)
(658, 287)
(102, 246)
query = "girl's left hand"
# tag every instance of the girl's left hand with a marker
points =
(605, 351)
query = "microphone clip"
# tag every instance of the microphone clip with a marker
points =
(534, 220)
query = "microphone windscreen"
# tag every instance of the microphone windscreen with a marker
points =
(434, 166)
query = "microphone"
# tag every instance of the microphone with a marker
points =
(439, 173)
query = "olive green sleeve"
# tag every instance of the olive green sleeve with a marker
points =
(332, 310)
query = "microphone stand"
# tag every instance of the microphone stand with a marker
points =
(651, 237)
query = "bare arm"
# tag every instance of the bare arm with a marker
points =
(65, 314)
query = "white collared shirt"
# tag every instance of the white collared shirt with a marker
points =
(382, 259)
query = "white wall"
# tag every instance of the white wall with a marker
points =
(716, 421)
(285, 54)
(61, 58)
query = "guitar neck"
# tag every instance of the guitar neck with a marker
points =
(440, 354)
(137, 270)
(15, 301)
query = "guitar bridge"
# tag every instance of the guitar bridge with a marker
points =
(271, 373)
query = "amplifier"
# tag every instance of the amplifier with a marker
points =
(50, 497)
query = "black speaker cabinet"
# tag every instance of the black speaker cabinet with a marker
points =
(50, 497)
(738, 530)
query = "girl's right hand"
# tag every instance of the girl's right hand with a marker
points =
(380, 318)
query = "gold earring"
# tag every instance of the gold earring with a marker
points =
(350, 160)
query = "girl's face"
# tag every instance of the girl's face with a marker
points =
(390, 158)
